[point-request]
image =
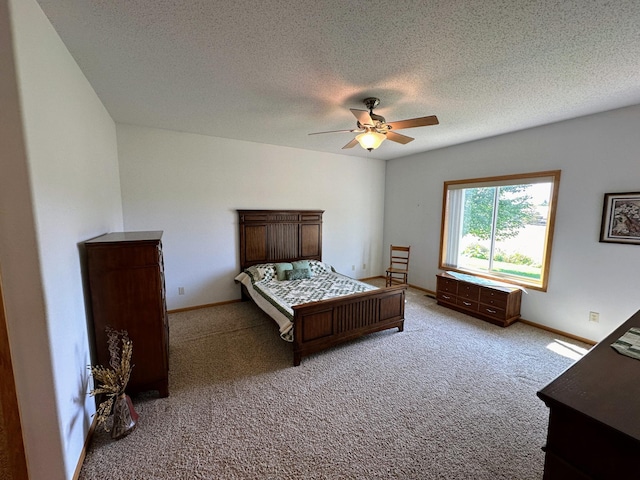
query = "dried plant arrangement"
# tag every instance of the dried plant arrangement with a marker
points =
(111, 381)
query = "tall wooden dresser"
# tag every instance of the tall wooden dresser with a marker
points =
(126, 280)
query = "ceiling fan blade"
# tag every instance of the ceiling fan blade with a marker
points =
(363, 117)
(414, 122)
(351, 144)
(334, 131)
(398, 138)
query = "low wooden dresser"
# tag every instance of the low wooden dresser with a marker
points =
(499, 305)
(594, 415)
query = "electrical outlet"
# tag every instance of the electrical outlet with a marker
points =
(594, 317)
(180, 290)
(353, 267)
(364, 266)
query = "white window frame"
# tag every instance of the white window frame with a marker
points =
(452, 224)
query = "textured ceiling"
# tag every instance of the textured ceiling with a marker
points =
(273, 71)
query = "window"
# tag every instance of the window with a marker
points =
(500, 227)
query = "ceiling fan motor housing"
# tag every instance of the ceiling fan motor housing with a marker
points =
(379, 122)
(371, 102)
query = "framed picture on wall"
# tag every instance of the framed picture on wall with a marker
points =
(621, 218)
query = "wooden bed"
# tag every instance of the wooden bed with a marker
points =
(271, 236)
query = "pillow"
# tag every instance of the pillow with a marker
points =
(298, 274)
(302, 264)
(267, 271)
(281, 268)
(263, 271)
(318, 267)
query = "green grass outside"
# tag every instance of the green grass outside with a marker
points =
(525, 271)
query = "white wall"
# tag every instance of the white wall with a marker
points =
(597, 154)
(190, 186)
(69, 192)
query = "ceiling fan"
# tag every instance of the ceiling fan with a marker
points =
(373, 129)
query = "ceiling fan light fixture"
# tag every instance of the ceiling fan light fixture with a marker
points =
(370, 140)
(373, 129)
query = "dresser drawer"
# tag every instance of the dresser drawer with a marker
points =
(446, 297)
(495, 298)
(497, 313)
(469, 291)
(467, 303)
(447, 285)
(128, 256)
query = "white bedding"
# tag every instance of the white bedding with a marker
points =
(285, 325)
(276, 297)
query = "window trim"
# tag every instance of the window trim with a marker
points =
(500, 181)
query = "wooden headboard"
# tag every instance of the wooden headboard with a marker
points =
(270, 236)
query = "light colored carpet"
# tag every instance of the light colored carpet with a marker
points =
(451, 397)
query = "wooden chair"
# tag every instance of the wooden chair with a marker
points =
(398, 270)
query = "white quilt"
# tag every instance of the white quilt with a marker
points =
(276, 297)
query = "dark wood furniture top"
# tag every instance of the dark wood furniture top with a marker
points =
(126, 281)
(594, 415)
(496, 304)
(271, 236)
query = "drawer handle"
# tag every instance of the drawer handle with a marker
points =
(467, 303)
(446, 298)
(491, 311)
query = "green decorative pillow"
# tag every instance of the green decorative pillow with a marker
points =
(281, 268)
(298, 274)
(300, 264)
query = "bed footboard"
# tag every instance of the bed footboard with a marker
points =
(321, 325)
